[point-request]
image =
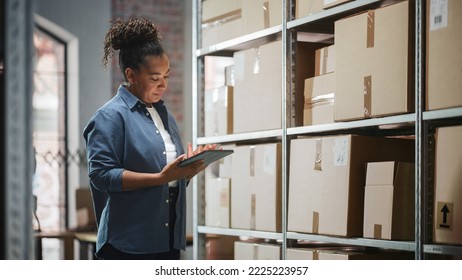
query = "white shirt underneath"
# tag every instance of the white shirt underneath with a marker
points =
(169, 145)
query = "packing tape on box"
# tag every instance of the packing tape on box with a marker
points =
(315, 255)
(255, 251)
(320, 100)
(252, 161)
(266, 16)
(256, 63)
(318, 156)
(377, 231)
(315, 225)
(325, 57)
(222, 19)
(367, 96)
(253, 206)
(224, 198)
(370, 28)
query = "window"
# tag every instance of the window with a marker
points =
(49, 137)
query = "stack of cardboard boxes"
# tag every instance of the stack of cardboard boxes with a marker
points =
(319, 91)
(340, 185)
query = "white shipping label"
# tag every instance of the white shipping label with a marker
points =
(341, 148)
(438, 14)
(269, 160)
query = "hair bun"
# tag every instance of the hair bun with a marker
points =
(126, 33)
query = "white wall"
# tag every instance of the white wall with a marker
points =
(88, 20)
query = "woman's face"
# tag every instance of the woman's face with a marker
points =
(150, 81)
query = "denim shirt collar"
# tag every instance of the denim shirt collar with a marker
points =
(131, 100)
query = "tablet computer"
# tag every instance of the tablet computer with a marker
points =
(208, 156)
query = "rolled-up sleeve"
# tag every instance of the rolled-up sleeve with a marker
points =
(104, 145)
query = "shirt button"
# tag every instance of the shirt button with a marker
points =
(163, 152)
(166, 224)
(166, 201)
(147, 114)
(157, 131)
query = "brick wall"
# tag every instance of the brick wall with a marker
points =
(168, 15)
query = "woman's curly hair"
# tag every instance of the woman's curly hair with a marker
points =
(134, 39)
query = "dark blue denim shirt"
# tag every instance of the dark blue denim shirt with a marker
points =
(122, 136)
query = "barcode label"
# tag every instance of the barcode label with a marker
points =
(438, 19)
(438, 14)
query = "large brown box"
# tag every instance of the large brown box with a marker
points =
(217, 202)
(327, 178)
(365, 255)
(444, 56)
(255, 251)
(305, 8)
(256, 187)
(374, 63)
(257, 88)
(389, 202)
(261, 14)
(86, 219)
(226, 20)
(448, 190)
(218, 111)
(258, 85)
(319, 100)
(221, 21)
(332, 3)
(325, 60)
(217, 9)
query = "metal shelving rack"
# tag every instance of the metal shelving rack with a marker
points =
(417, 124)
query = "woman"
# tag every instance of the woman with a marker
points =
(133, 149)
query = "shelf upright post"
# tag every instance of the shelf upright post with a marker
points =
(419, 225)
(198, 211)
(284, 92)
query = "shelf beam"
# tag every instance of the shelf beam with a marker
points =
(376, 243)
(240, 232)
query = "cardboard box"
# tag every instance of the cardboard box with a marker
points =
(301, 254)
(220, 247)
(217, 202)
(254, 251)
(258, 84)
(327, 177)
(213, 10)
(305, 60)
(217, 32)
(261, 14)
(448, 191)
(256, 187)
(225, 164)
(365, 255)
(444, 59)
(332, 3)
(389, 201)
(229, 75)
(86, 219)
(305, 8)
(226, 20)
(218, 111)
(325, 60)
(375, 63)
(319, 100)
